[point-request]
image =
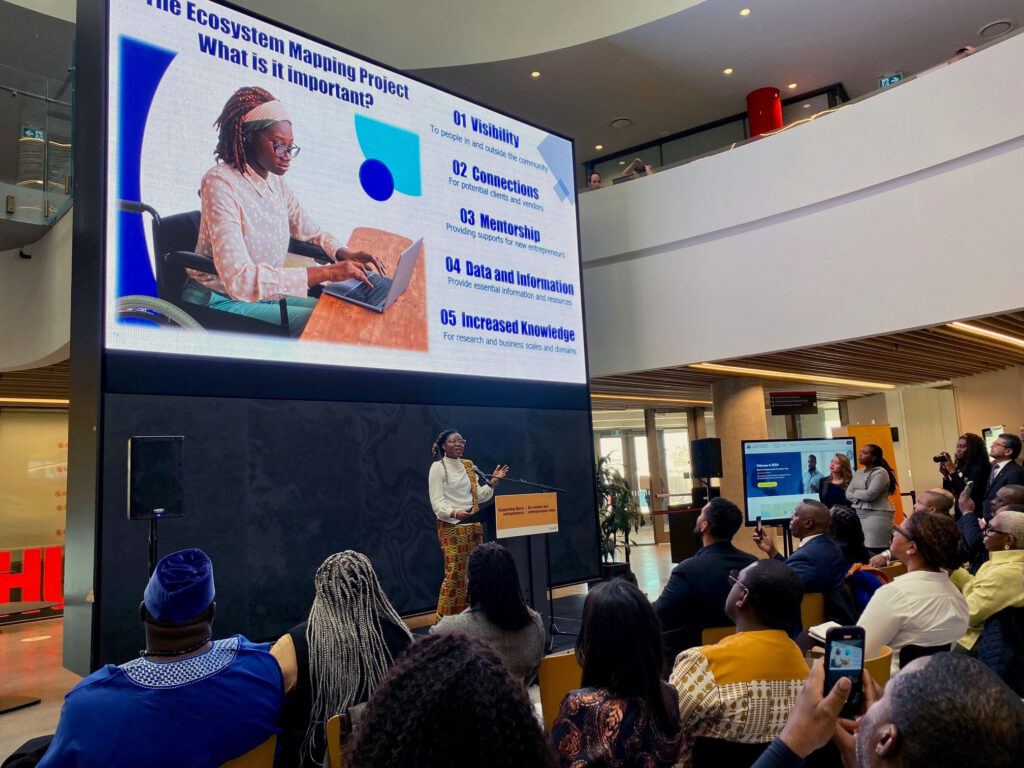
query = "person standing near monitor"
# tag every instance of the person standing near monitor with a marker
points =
(456, 494)
(248, 215)
(869, 492)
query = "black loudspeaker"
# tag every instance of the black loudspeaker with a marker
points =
(154, 477)
(700, 495)
(706, 457)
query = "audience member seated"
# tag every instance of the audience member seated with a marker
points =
(921, 607)
(818, 560)
(624, 714)
(734, 696)
(694, 597)
(845, 529)
(969, 462)
(832, 490)
(497, 613)
(187, 700)
(335, 659)
(971, 525)
(998, 582)
(449, 701)
(934, 502)
(942, 711)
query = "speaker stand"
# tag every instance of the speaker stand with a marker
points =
(152, 545)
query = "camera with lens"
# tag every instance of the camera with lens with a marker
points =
(941, 458)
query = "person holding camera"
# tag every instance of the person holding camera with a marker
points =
(970, 464)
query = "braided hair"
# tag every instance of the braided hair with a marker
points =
(494, 586)
(347, 653)
(449, 701)
(231, 141)
(938, 540)
(437, 448)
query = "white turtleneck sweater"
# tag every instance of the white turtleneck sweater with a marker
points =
(454, 494)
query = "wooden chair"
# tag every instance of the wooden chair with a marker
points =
(880, 667)
(257, 757)
(711, 635)
(338, 732)
(894, 569)
(812, 609)
(558, 674)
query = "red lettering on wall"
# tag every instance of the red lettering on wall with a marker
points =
(53, 581)
(29, 580)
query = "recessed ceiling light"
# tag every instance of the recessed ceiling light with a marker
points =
(745, 12)
(791, 86)
(727, 71)
(535, 73)
(622, 162)
(599, 146)
(996, 28)
(621, 122)
(806, 106)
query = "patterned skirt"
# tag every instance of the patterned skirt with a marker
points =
(457, 541)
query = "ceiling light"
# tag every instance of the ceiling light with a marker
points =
(535, 73)
(621, 122)
(791, 86)
(622, 162)
(599, 146)
(995, 29)
(793, 376)
(745, 12)
(649, 399)
(727, 71)
(806, 106)
(32, 401)
(978, 331)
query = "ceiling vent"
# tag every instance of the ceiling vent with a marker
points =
(995, 29)
(621, 122)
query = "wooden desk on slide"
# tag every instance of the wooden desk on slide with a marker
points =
(403, 326)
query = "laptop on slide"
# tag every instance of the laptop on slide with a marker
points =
(385, 290)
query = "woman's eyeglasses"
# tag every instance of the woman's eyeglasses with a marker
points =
(896, 529)
(995, 532)
(283, 150)
(455, 442)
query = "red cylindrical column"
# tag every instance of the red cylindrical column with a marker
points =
(764, 111)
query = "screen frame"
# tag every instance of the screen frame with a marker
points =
(251, 377)
(751, 522)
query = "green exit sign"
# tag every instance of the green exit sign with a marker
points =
(31, 133)
(888, 80)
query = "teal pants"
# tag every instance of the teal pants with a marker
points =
(299, 307)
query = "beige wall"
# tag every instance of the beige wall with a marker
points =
(990, 398)
(930, 427)
(867, 410)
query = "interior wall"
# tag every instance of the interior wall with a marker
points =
(867, 410)
(990, 398)
(797, 239)
(930, 427)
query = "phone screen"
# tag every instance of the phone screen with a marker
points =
(758, 525)
(844, 657)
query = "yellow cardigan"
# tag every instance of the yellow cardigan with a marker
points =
(997, 585)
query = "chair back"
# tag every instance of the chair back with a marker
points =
(338, 731)
(910, 652)
(880, 667)
(894, 569)
(558, 674)
(812, 609)
(179, 232)
(711, 635)
(257, 757)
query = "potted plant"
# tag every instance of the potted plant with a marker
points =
(619, 514)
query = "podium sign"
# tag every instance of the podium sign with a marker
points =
(524, 514)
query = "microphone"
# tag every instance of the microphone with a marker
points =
(481, 473)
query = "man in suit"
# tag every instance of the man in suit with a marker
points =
(694, 597)
(818, 560)
(1005, 470)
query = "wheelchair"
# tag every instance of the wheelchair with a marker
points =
(173, 238)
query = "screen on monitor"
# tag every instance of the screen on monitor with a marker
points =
(241, 135)
(779, 474)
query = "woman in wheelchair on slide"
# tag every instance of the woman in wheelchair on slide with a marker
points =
(249, 214)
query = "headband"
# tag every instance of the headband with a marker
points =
(262, 115)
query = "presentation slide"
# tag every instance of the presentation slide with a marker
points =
(243, 136)
(779, 474)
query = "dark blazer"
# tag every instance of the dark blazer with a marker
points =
(974, 540)
(1011, 474)
(819, 564)
(694, 597)
(955, 483)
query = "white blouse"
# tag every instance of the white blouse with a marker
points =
(453, 493)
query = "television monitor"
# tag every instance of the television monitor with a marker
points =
(777, 474)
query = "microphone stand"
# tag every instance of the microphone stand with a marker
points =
(553, 629)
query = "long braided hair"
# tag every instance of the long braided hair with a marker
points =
(437, 449)
(231, 142)
(494, 586)
(347, 653)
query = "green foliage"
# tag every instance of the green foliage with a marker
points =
(617, 509)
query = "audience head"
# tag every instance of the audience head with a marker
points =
(943, 711)
(719, 520)
(449, 701)
(1005, 531)
(767, 593)
(177, 607)
(348, 656)
(1005, 447)
(934, 503)
(839, 467)
(494, 586)
(1008, 494)
(847, 531)
(620, 647)
(970, 450)
(594, 180)
(809, 517)
(927, 541)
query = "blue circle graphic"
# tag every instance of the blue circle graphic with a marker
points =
(377, 180)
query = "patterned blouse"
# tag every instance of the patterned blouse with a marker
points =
(244, 226)
(596, 728)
